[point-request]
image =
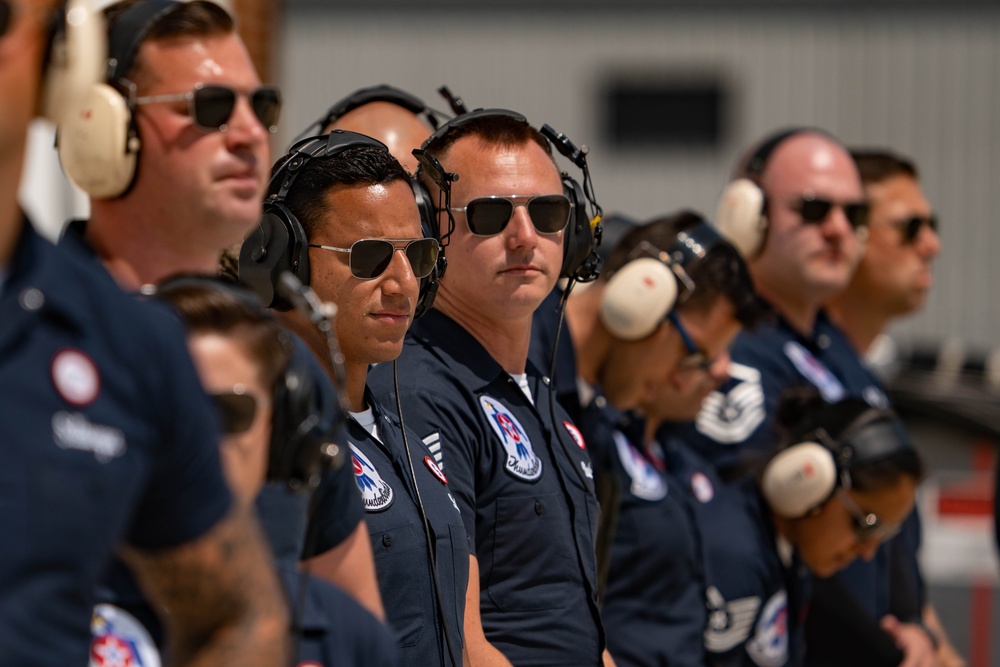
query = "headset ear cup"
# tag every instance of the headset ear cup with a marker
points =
(428, 227)
(578, 239)
(296, 436)
(277, 244)
(637, 298)
(98, 149)
(799, 479)
(75, 60)
(741, 218)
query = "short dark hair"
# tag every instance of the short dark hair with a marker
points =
(876, 166)
(498, 129)
(209, 305)
(803, 411)
(355, 165)
(198, 18)
(721, 273)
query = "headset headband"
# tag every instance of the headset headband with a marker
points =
(305, 150)
(130, 31)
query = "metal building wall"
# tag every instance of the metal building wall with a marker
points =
(922, 79)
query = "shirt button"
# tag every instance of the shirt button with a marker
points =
(822, 341)
(539, 508)
(387, 541)
(32, 299)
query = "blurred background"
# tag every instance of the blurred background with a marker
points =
(667, 93)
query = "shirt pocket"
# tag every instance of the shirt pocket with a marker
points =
(531, 564)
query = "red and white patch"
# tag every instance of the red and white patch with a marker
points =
(574, 433)
(437, 472)
(75, 377)
(120, 640)
(701, 487)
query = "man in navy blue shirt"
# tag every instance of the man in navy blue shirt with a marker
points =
(197, 126)
(653, 603)
(801, 212)
(515, 462)
(108, 442)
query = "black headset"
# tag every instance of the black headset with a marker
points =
(582, 237)
(380, 93)
(299, 431)
(278, 243)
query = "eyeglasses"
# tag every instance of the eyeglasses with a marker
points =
(369, 258)
(236, 409)
(867, 526)
(815, 210)
(488, 216)
(696, 358)
(910, 227)
(211, 105)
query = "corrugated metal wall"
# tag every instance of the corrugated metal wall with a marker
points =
(925, 82)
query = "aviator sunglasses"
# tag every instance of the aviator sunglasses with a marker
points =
(488, 216)
(236, 409)
(369, 258)
(814, 210)
(211, 105)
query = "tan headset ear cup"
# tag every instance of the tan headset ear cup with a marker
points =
(799, 479)
(95, 147)
(637, 298)
(76, 61)
(740, 216)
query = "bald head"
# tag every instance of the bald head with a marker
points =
(398, 128)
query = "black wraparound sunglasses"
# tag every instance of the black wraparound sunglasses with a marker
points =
(369, 258)
(488, 216)
(211, 105)
(910, 227)
(814, 210)
(236, 409)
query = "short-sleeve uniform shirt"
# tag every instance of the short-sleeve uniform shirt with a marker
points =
(520, 473)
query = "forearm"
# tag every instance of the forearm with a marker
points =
(221, 596)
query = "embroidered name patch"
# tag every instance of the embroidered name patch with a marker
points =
(521, 459)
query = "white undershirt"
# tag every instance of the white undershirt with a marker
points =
(367, 421)
(522, 381)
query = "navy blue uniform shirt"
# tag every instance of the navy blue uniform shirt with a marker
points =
(524, 484)
(399, 543)
(107, 437)
(755, 597)
(654, 601)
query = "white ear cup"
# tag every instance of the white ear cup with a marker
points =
(76, 61)
(740, 216)
(799, 479)
(95, 147)
(637, 298)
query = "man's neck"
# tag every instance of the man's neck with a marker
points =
(800, 313)
(859, 320)
(139, 250)
(507, 341)
(10, 213)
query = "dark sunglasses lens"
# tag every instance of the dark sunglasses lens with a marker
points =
(370, 258)
(815, 210)
(422, 255)
(5, 11)
(913, 226)
(266, 103)
(213, 105)
(549, 213)
(488, 216)
(236, 412)
(856, 214)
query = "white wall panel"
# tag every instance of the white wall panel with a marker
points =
(925, 83)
